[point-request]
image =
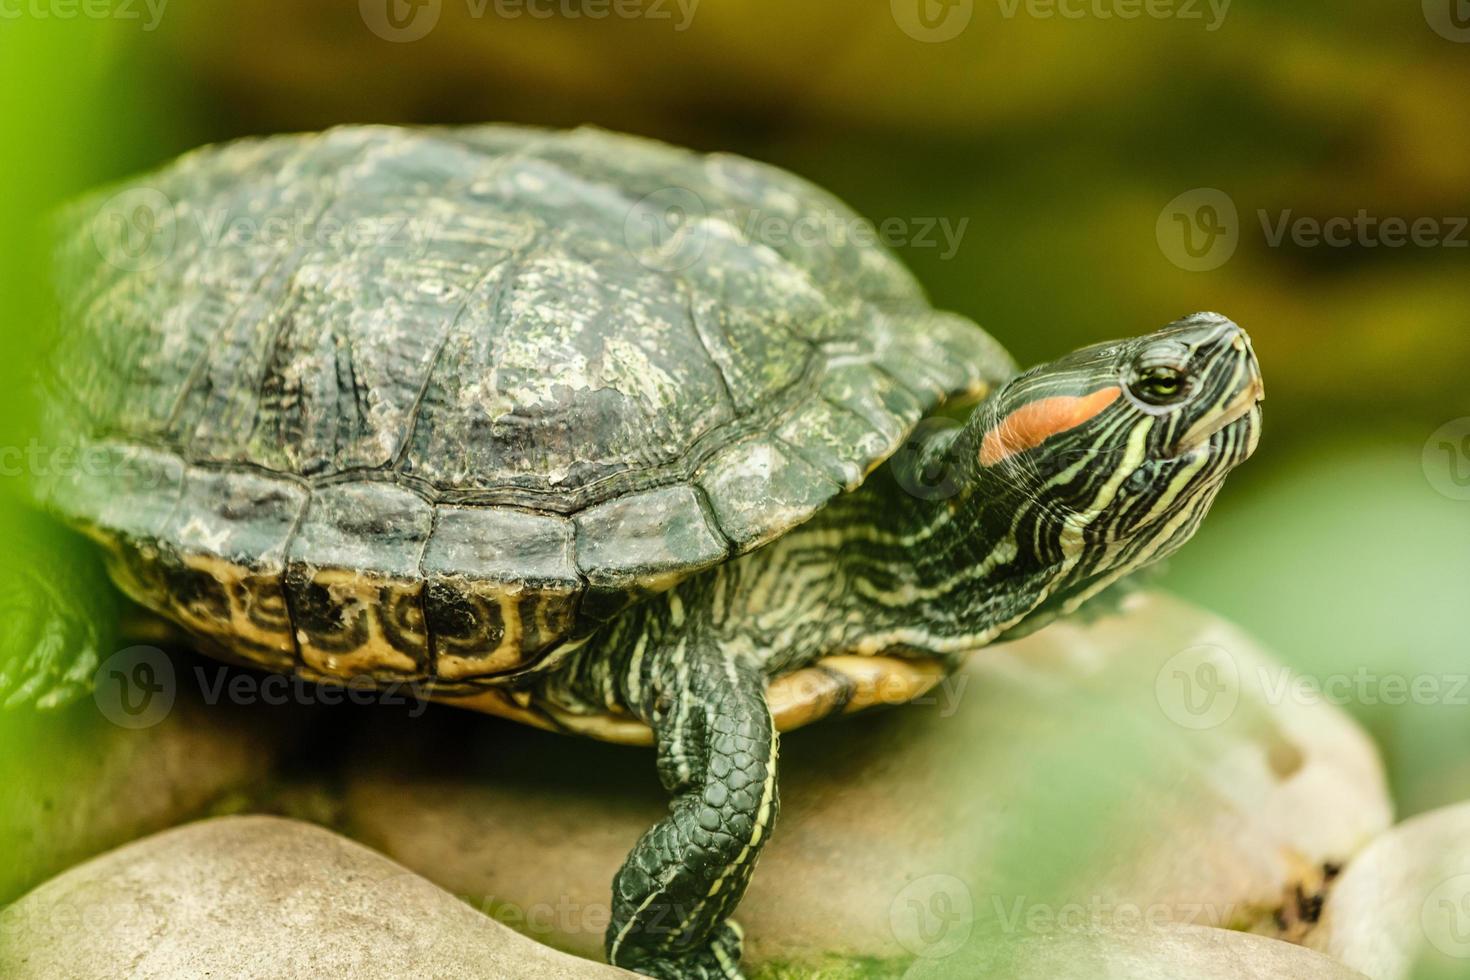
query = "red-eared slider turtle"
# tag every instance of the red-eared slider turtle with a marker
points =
(554, 425)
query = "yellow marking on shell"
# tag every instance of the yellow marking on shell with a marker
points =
(664, 581)
(237, 631)
(357, 593)
(121, 571)
(504, 704)
(795, 699)
(508, 654)
(879, 680)
(545, 629)
(802, 697)
(606, 727)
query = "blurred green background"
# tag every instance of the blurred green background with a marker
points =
(1068, 152)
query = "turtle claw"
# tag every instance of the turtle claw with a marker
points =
(57, 607)
(717, 959)
(50, 650)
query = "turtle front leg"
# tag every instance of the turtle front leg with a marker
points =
(717, 755)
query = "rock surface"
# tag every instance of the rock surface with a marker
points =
(1402, 907)
(1171, 953)
(76, 782)
(1206, 787)
(261, 897)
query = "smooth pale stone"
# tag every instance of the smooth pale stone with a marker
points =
(1172, 953)
(261, 897)
(1062, 770)
(1402, 907)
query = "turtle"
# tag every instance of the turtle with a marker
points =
(556, 425)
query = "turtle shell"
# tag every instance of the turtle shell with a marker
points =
(425, 403)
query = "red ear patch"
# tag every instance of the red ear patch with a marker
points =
(1035, 422)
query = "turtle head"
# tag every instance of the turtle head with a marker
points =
(1111, 455)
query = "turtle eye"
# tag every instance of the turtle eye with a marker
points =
(1158, 384)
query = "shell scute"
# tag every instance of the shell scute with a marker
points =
(760, 487)
(500, 586)
(644, 541)
(223, 558)
(523, 377)
(352, 579)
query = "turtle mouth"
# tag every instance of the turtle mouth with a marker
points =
(1243, 409)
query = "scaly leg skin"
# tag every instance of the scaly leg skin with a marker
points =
(717, 755)
(58, 612)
